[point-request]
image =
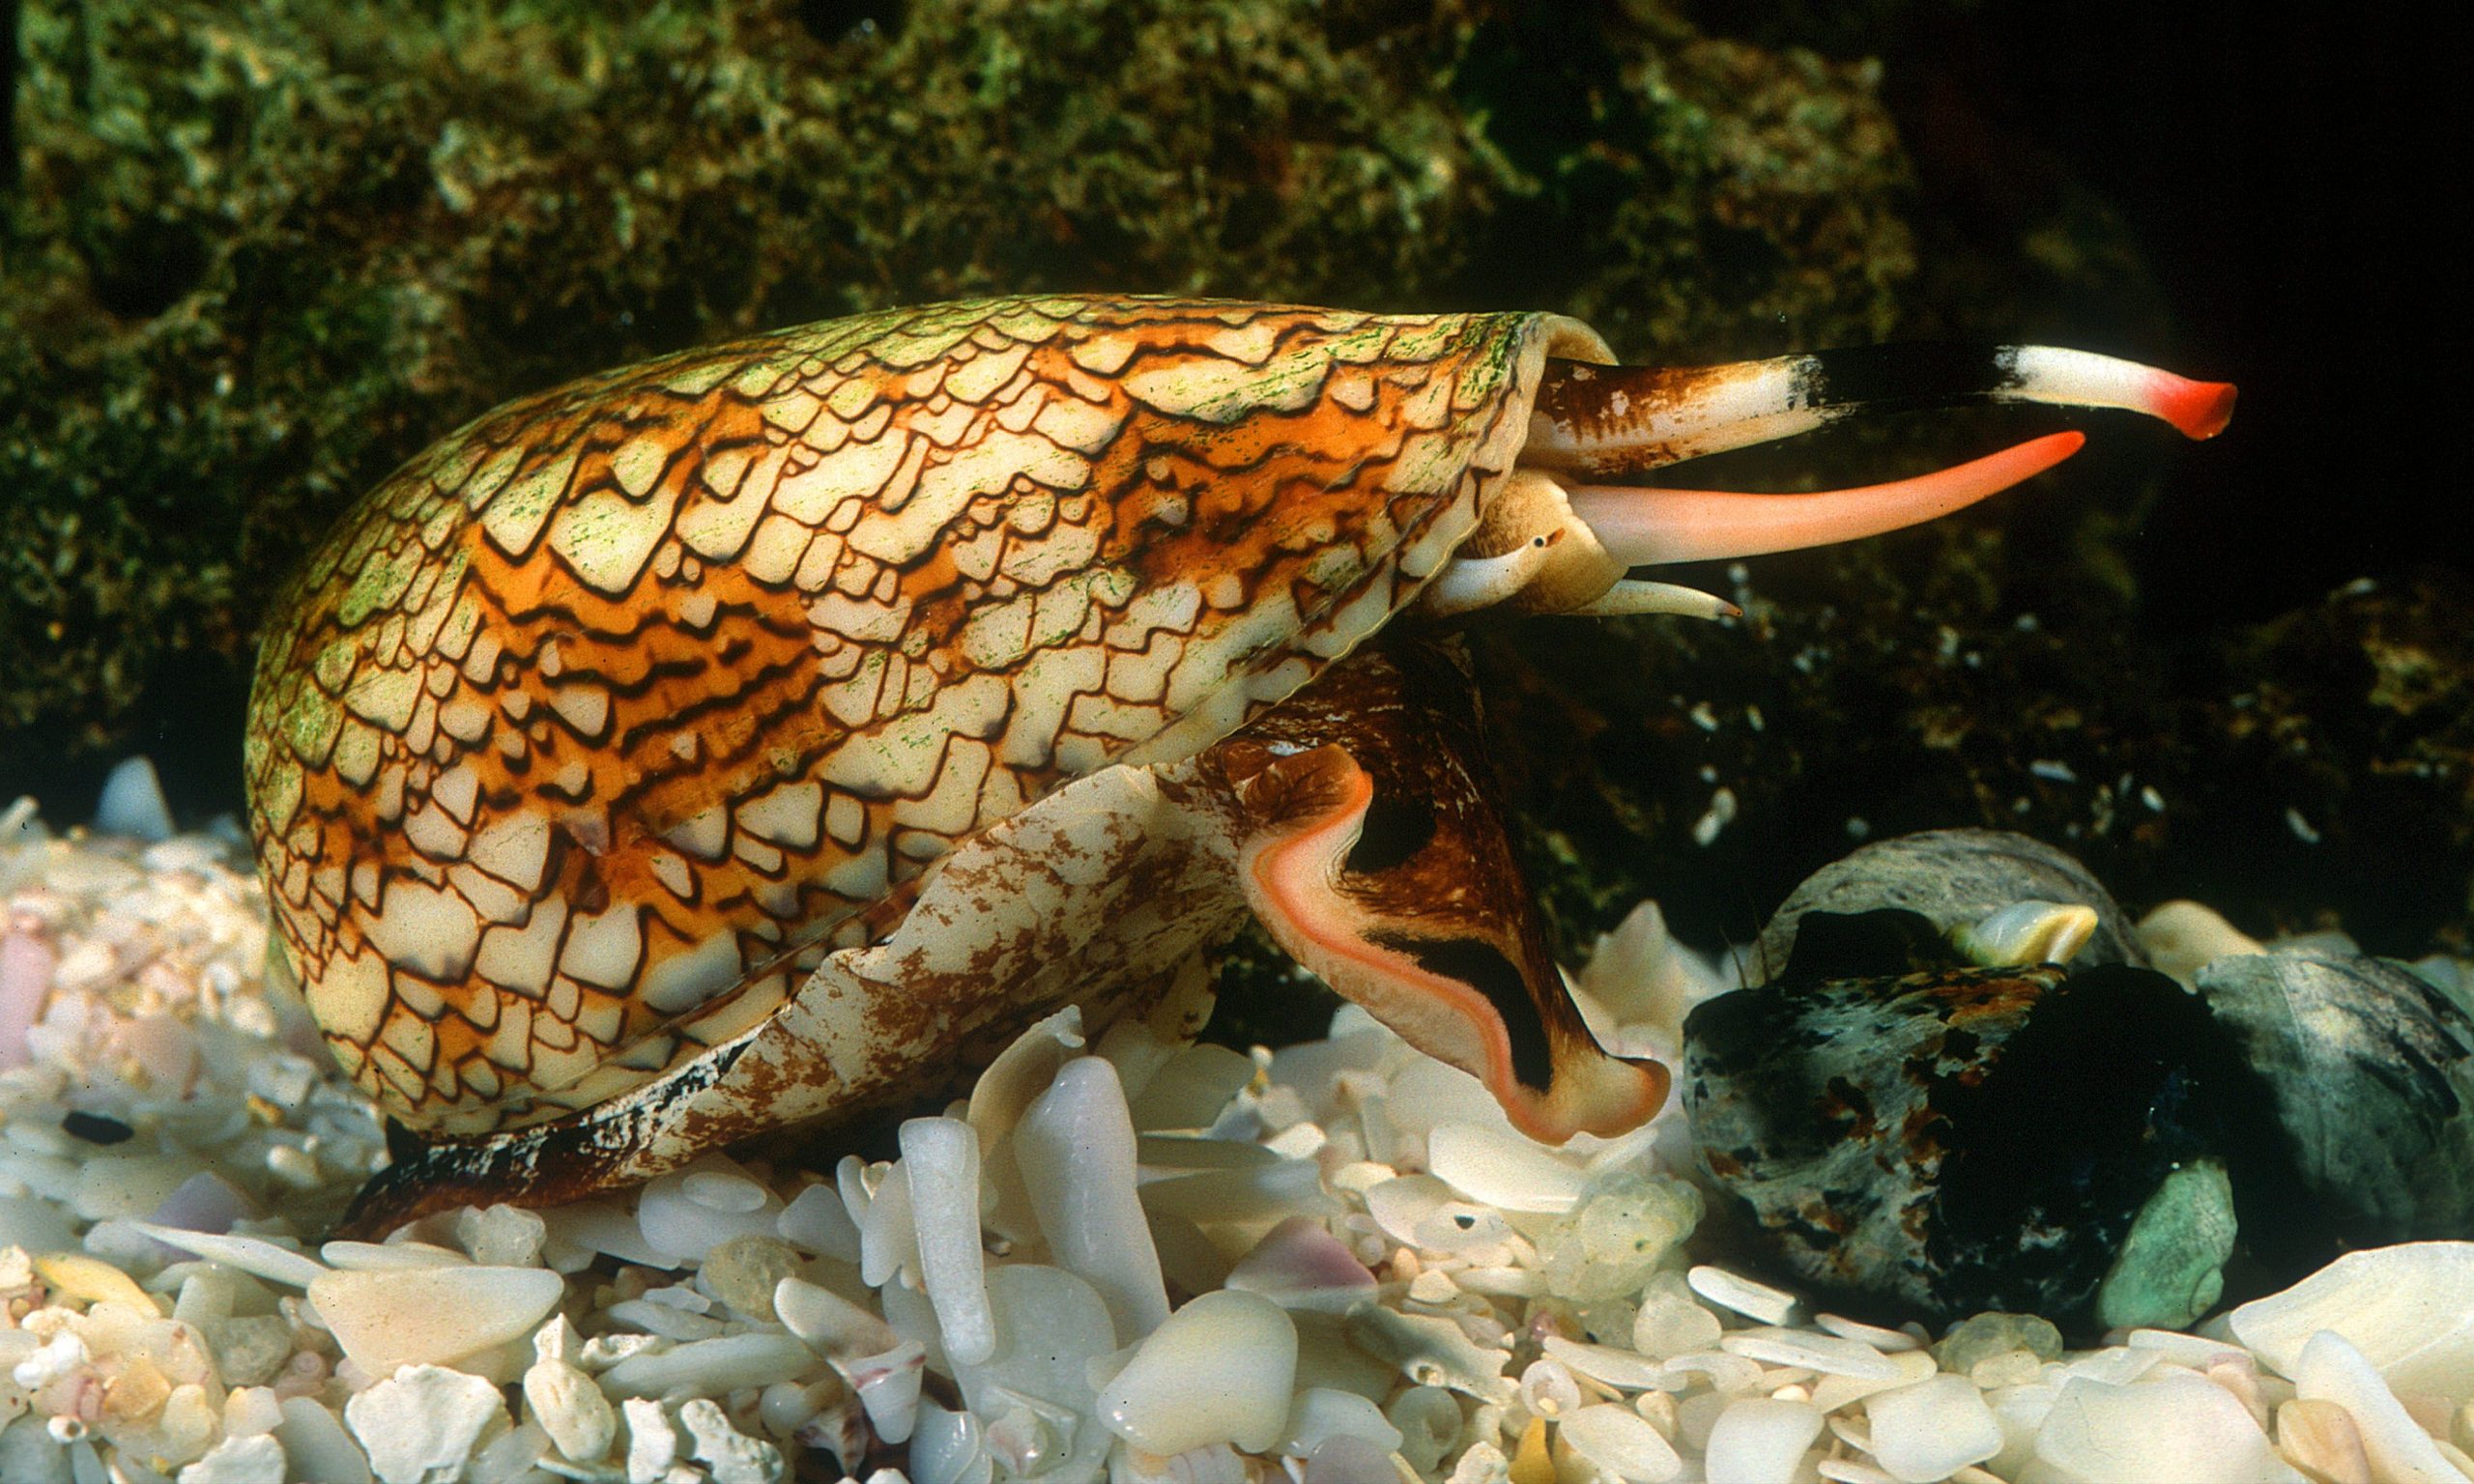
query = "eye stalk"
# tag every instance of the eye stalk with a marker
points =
(1555, 540)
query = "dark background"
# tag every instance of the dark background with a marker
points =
(2296, 174)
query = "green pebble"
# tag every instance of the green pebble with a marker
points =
(2172, 1266)
(1983, 1336)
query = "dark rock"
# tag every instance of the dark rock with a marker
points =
(1909, 1131)
(1952, 879)
(1964, 1139)
(2371, 1073)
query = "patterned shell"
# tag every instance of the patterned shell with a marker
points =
(591, 728)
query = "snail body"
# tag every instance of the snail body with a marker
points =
(733, 740)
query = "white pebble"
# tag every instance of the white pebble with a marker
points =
(1761, 1301)
(2408, 1309)
(913, 1318)
(1075, 1144)
(419, 1316)
(1299, 1141)
(132, 803)
(257, 1460)
(2189, 1350)
(816, 1220)
(2401, 1452)
(832, 1325)
(1670, 1323)
(786, 1405)
(1621, 1441)
(1433, 1350)
(571, 1409)
(606, 1226)
(1929, 1432)
(2116, 1365)
(943, 1157)
(35, 1224)
(1344, 1458)
(888, 1239)
(1397, 1206)
(1051, 1328)
(27, 966)
(1429, 1422)
(730, 1456)
(389, 1256)
(669, 1320)
(1831, 1392)
(317, 1446)
(1300, 1265)
(1498, 1168)
(948, 1448)
(714, 1366)
(730, 1193)
(888, 1389)
(294, 1167)
(689, 1212)
(420, 1424)
(54, 1360)
(2175, 1429)
(512, 1457)
(1549, 1389)
(1761, 1440)
(1621, 1369)
(129, 1184)
(207, 1202)
(1482, 1462)
(604, 1351)
(1217, 1370)
(652, 1444)
(249, 1410)
(502, 1236)
(1434, 1285)
(1021, 1073)
(680, 1296)
(1828, 1353)
(252, 1255)
(1322, 1413)
(1191, 1089)
(1889, 1342)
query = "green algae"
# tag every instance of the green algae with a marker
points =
(256, 256)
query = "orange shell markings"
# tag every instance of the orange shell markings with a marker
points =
(591, 727)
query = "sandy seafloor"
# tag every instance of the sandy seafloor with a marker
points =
(1335, 1263)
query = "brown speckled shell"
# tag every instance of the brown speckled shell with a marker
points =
(592, 729)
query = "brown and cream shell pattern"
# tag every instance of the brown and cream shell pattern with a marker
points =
(599, 715)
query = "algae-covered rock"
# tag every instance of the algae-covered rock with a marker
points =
(1951, 1140)
(2371, 1073)
(1954, 878)
(255, 256)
